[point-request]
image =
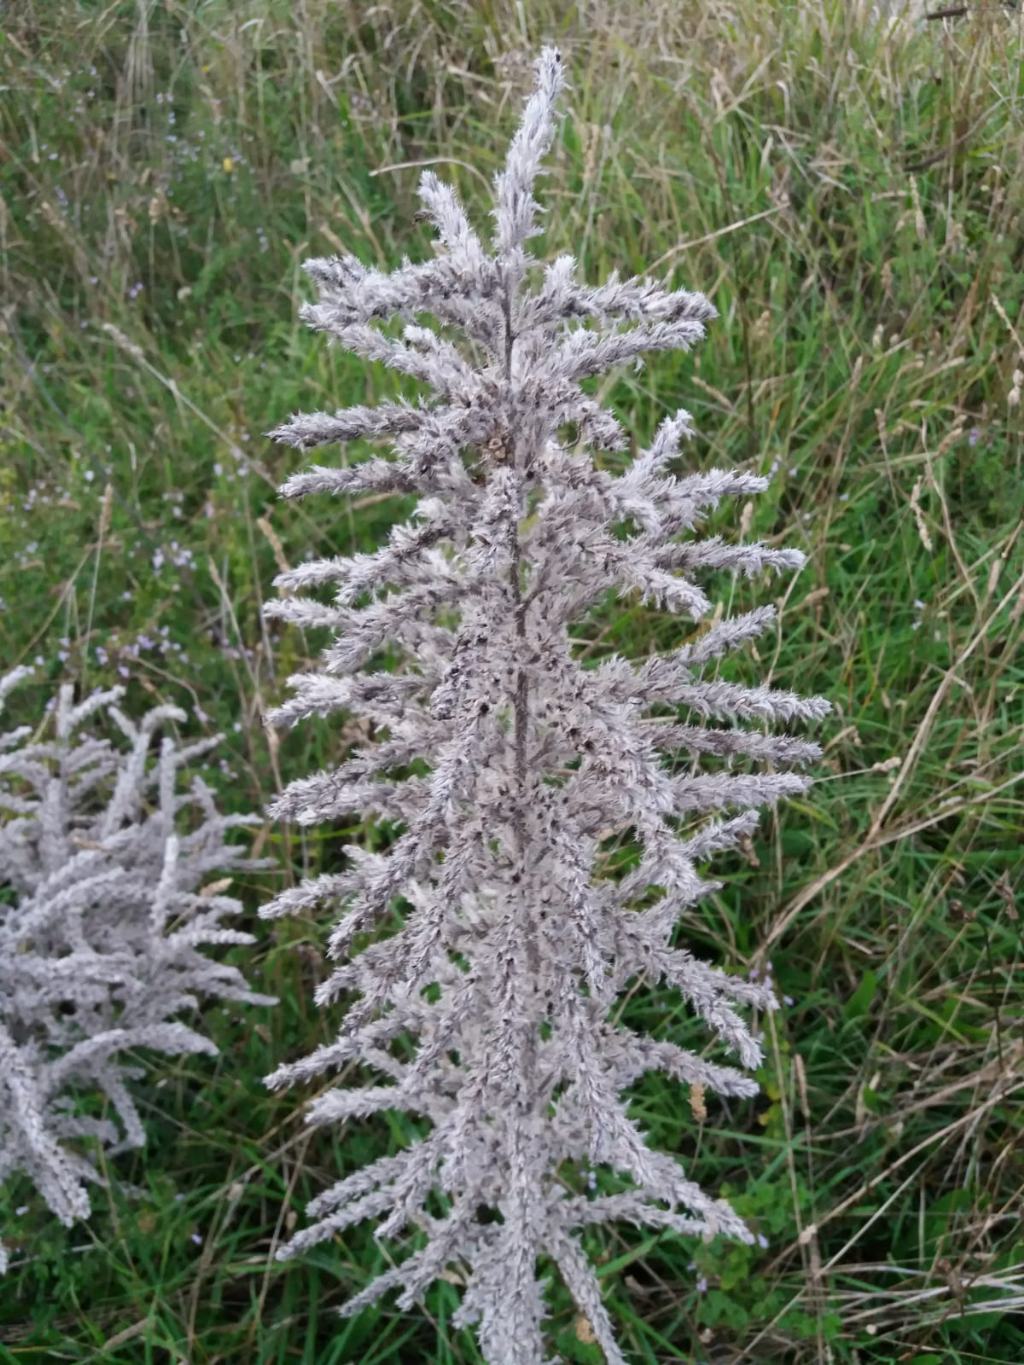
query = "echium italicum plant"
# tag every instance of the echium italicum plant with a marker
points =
(112, 879)
(487, 1006)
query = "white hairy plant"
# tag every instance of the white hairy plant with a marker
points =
(112, 883)
(488, 1005)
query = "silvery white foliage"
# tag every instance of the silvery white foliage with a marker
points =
(513, 948)
(111, 886)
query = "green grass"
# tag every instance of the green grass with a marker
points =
(852, 197)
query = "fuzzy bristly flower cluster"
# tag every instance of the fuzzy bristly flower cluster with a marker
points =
(112, 881)
(488, 1010)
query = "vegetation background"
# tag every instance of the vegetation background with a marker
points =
(849, 189)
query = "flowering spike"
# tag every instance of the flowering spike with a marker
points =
(516, 941)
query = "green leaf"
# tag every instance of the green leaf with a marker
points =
(860, 1001)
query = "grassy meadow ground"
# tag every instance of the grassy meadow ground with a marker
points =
(850, 193)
